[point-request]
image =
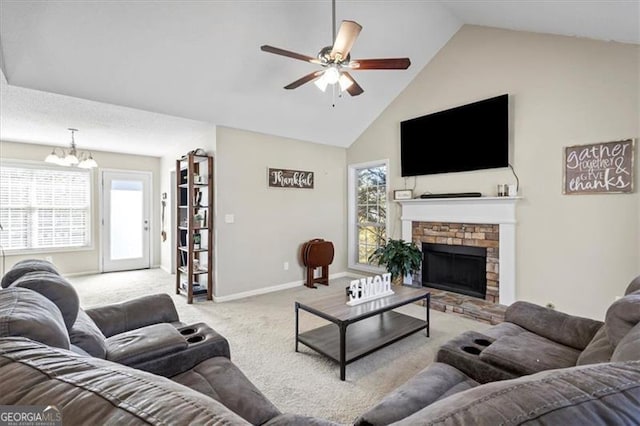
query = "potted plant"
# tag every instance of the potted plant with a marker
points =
(399, 257)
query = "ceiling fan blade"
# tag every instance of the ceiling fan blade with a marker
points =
(380, 64)
(347, 35)
(354, 89)
(307, 78)
(288, 54)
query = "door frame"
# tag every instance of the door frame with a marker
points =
(101, 214)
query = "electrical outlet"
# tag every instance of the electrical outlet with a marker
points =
(286, 266)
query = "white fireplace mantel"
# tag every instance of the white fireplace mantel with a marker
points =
(491, 210)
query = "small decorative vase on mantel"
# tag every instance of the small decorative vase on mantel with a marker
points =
(399, 257)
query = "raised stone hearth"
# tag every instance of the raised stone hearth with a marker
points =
(467, 306)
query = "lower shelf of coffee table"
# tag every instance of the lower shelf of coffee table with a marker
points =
(362, 337)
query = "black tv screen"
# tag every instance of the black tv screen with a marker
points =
(468, 137)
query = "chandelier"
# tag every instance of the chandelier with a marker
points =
(71, 156)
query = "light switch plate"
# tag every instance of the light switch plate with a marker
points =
(229, 218)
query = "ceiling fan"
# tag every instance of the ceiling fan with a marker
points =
(336, 59)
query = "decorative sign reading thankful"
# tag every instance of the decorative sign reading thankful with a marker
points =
(599, 168)
(370, 288)
(283, 178)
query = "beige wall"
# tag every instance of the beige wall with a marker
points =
(82, 261)
(271, 224)
(578, 252)
(207, 141)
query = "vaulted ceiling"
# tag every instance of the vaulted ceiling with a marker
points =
(200, 61)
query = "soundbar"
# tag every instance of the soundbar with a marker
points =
(453, 195)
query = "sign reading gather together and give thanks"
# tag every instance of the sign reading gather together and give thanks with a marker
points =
(283, 178)
(599, 168)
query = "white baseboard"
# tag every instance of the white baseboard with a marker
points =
(77, 274)
(265, 290)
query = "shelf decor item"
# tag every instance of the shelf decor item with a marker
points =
(369, 288)
(194, 234)
(401, 258)
(402, 194)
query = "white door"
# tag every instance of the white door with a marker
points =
(126, 220)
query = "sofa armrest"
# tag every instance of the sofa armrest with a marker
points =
(132, 314)
(559, 327)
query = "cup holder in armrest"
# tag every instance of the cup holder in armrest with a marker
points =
(195, 339)
(187, 331)
(469, 349)
(482, 342)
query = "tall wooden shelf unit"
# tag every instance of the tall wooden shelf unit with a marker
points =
(194, 201)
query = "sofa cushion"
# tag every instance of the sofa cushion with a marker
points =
(503, 329)
(528, 353)
(289, 419)
(599, 394)
(55, 288)
(92, 391)
(622, 316)
(462, 352)
(629, 347)
(132, 314)
(86, 334)
(566, 329)
(633, 286)
(221, 380)
(29, 314)
(143, 344)
(435, 382)
(598, 350)
(24, 267)
(203, 343)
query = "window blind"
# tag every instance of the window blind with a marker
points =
(43, 207)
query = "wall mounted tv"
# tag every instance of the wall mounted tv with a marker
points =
(468, 137)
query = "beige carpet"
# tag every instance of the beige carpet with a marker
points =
(261, 333)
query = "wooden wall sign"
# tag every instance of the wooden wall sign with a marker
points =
(283, 178)
(599, 168)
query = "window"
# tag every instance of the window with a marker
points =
(367, 211)
(43, 207)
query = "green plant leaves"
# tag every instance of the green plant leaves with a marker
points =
(399, 257)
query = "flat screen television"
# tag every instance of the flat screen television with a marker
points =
(468, 137)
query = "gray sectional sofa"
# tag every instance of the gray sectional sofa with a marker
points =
(136, 363)
(127, 363)
(538, 367)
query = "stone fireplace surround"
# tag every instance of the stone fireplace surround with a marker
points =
(482, 235)
(474, 211)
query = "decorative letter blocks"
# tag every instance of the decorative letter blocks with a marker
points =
(370, 288)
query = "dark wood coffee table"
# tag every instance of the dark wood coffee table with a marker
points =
(374, 324)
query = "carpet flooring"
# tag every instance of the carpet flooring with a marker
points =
(261, 333)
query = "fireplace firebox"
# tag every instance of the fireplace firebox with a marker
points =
(461, 269)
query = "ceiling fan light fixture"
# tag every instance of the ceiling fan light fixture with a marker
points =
(332, 75)
(345, 82)
(322, 83)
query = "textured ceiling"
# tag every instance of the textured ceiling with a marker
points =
(200, 60)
